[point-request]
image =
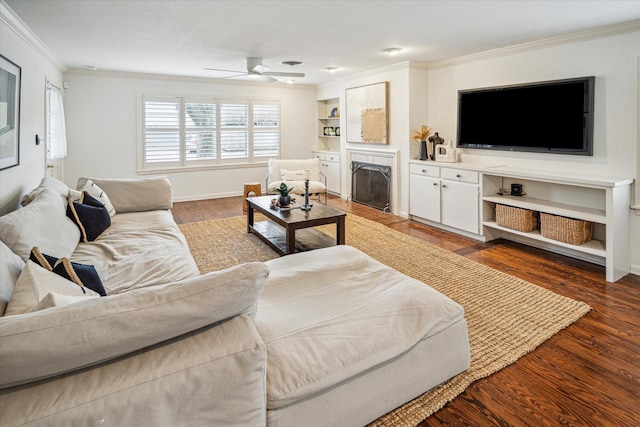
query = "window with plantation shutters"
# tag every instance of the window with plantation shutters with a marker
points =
(183, 132)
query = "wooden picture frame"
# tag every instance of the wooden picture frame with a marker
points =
(10, 81)
(367, 114)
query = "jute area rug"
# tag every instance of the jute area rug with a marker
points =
(507, 317)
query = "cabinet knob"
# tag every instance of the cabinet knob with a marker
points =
(458, 175)
(444, 185)
(424, 171)
(435, 184)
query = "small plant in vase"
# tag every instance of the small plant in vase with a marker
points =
(421, 136)
(284, 200)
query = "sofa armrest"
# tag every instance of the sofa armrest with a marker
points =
(62, 339)
(135, 195)
(214, 376)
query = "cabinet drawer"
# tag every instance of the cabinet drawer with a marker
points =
(425, 170)
(460, 175)
(332, 157)
(317, 155)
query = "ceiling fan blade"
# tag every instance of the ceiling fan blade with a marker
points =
(225, 71)
(282, 74)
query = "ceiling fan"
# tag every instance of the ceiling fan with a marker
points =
(256, 68)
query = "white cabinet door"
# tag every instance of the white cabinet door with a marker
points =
(424, 197)
(332, 171)
(460, 205)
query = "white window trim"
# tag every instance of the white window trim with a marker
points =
(201, 165)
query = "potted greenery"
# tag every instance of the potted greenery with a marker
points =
(284, 199)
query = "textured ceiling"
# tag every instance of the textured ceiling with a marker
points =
(184, 37)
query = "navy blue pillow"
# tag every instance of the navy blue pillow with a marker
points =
(80, 274)
(90, 215)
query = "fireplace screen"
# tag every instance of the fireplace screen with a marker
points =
(371, 185)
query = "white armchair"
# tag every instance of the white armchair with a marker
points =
(294, 173)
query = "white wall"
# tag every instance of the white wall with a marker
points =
(102, 128)
(613, 60)
(407, 110)
(37, 66)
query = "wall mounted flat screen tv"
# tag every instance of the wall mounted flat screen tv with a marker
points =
(549, 117)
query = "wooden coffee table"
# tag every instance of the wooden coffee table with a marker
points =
(289, 231)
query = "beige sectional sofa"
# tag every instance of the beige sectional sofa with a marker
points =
(324, 338)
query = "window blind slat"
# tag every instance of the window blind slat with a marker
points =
(181, 131)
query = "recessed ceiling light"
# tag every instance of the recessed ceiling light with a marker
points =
(289, 81)
(392, 50)
(292, 63)
(331, 69)
(91, 67)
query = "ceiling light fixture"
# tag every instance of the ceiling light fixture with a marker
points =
(332, 69)
(392, 50)
(289, 81)
(292, 63)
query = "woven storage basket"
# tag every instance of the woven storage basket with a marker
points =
(567, 230)
(516, 218)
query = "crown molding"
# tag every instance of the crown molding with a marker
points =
(9, 18)
(595, 33)
(181, 78)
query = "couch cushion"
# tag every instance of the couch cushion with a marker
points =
(135, 195)
(311, 165)
(10, 267)
(331, 314)
(42, 223)
(299, 175)
(35, 283)
(297, 187)
(54, 184)
(80, 274)
(139, 249)
(90, 215)
(98, 193)
(50, 342)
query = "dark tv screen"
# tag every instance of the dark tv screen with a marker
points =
(550, 117)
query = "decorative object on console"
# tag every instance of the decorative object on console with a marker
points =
(338, 131)
(334, 113)
(434, 141)
(421, 136)
(306, 206)
(516, 190)
(445, 153)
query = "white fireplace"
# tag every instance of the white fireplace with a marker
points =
(380, 157)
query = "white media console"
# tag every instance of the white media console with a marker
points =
(462, 198)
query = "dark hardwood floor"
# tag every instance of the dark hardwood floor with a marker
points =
(586, 375)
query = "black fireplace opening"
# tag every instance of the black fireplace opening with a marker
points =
(371, 185)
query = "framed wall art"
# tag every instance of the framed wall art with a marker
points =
(10, 75)
(367, 114)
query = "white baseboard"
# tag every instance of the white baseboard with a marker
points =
(206, 196)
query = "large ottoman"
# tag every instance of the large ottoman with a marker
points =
(349, 339)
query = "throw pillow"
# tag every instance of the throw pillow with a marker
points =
(90, 215)
(299, 175)
(34, 283)
(97, 192)
(53, 299)
(80, 274)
